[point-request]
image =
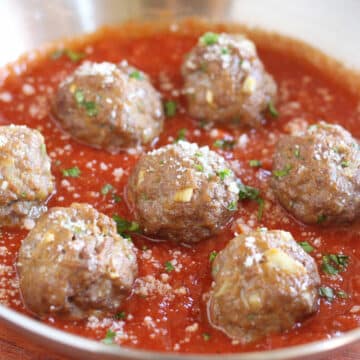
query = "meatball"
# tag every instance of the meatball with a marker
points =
(225, 80)
(75, 264)
(108, 106)
(264, 283)
(182, 192)
(316, 175)
(25, 175)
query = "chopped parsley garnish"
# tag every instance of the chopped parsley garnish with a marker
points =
(170, 108)
(281, 173)
(106, 189)
(224, 144)
(109, 337)
(73, 172)
(89, 106)
(120, 315)
(232, 206)
(136, 75)
(255, 163)
(79, 96)
(206, 336)
(181, 135)
(209, 38)
(124, 227)
(251, 193)
(169, 266)
(272, 109)
(199, 167)
(297, 151)
(342, 294)
(74, 56)
(306, 246)
(261, 204)
(345, 164)
(327, 293)
(116, 198)
(321, 218)
(223, 173)
(248, 192)
(225, 51)
(212, 256)
(332, 264)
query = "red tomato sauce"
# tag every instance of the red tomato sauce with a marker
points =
(167, 309)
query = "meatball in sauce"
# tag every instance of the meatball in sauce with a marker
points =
(75, 264)
(26, 180)
(183, 192)
(108, 106)
(316, 175)
(264, 283)
(225, 81)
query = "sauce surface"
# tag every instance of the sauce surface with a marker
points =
(167, 309)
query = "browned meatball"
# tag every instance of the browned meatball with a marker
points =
(182, 192)
(74, 263)
(264, 283)
(226, 81)
(25, 175)
(109, 107)
(316, 175)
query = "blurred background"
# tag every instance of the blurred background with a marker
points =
(331, 25)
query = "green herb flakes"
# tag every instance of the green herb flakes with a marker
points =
(248, 192)
(73, 172)
(224, 144)
(342, 294)
(109, 337)
(272, 109)
(74, 56)
(169, 267)
(255, 163)
(170, 108)
(206, 336)
(209, 38)
(327, 293)
(181, 135)
(321, 218)
(106, 189)
(212, 256)
(281, 173)
(332, 264)
(232, 206)
(124, 227)
(120, 315)
(306, 246)
(261, 204)
(199, 167)
(89, 106)
(223, 173)
(136, 75)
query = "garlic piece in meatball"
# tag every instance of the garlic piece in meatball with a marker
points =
(264, 283)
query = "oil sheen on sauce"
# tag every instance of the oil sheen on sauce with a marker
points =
(167, 309)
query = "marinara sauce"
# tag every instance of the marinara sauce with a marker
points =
(167, 309)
